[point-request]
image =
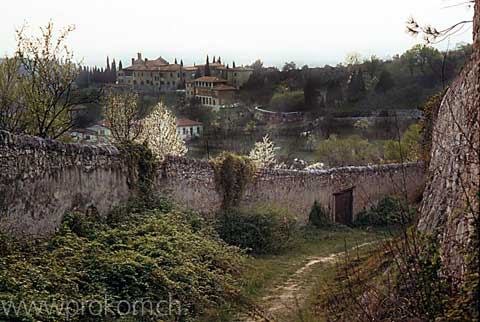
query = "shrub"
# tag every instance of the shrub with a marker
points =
(352, 150)
(389, 211)
(318, 217)
(145, 256)
(260, 230)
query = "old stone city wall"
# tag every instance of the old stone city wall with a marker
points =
(41, 179)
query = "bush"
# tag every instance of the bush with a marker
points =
(318, 217)
(389, 211)
(260, 230)
(352, 150)
(287, 101)
(148, 255)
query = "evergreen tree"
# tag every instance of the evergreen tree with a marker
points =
(214, 60)
(175, 61)
(219, 60)
(181, 62)
(310, 93)
(120, 67)
(233, 65)
(356, 87)
(385, 82)
(108, 63)
(207, 67)
(334, 93)
(198, 73)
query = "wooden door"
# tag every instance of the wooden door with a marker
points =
(344, 206)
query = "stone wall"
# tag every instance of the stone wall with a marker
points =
(450, 198)
(41, 179)
(191, 184)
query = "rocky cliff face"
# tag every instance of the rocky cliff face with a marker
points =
(450, 198)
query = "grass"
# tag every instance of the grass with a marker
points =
(266, 272)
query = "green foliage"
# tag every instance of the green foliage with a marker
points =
(409, 149)
(385, 82)
(261, 230)
(430, 110)
(290, 101)
(149, 255)
(352, 150)
(356, 87)
(389, 211)
(142, 165)
(318, 216)
(232, 174)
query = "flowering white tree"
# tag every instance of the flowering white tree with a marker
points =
(263, 153)
(160, 133)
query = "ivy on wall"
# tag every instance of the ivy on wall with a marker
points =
(232, 174)
(142, 165)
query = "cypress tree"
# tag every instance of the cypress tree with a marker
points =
(181, 62)
(214, 60)
(120, 67)
(175, 61)
(108, 63)
(385, 82)
(219, 60)
(207, 67)
(233, 65)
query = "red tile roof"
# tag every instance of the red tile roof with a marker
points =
(187, 122)
(211, 79)
(223, 87)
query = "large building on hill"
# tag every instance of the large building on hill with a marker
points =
(211, 91)
(152, 75)
(159, 75)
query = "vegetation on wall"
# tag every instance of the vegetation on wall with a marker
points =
(142, 165)
(232, 174)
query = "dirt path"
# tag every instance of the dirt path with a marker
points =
(286, 298)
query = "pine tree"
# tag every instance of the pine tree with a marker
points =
(207, 67)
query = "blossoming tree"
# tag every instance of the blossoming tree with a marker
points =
(263, 153)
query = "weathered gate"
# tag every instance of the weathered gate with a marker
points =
(344, 206)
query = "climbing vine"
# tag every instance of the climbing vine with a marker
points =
(232, 174)
(430, 112)
(142, 165)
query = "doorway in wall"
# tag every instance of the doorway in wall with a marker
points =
(344, 206)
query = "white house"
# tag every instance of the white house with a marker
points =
(188, 129)
(97, 133)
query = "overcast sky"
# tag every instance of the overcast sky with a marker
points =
(313, 32)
